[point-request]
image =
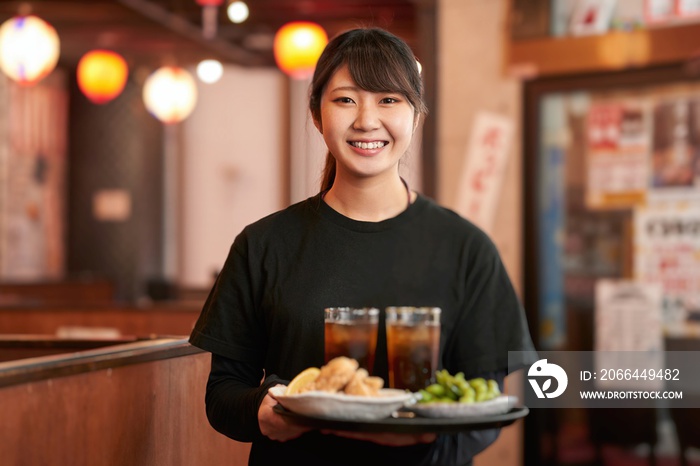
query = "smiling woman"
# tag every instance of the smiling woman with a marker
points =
(365, 240)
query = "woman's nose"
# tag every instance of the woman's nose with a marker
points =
(367, 118)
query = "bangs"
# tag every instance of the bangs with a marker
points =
(377, 62)
(377, 68)
(374, 71)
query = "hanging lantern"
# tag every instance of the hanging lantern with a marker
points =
(170, 94)
(102, 75)
(29, 49)
(210, 14)
(297, 48)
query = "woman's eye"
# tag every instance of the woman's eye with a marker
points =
(344, 100)
(389, 100)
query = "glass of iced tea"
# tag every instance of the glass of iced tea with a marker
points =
(413, 345)
(352, 332)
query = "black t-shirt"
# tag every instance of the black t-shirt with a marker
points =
(266, 308)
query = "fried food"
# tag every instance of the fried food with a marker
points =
(363, 385)
(335, 375)
(339, 375)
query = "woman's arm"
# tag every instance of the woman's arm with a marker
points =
(234, 394)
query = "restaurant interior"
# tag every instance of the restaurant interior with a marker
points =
(146, 134)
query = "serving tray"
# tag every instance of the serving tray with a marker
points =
(406, 422)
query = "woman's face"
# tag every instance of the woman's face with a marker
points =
(367, 132)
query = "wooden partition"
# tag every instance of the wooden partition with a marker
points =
(60, 291)
(15, 347)
(136, 404)
(159, 319)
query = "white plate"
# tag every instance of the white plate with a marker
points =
(341, 406)
(499, 405)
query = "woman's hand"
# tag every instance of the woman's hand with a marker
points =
(389, 439)
(275, 426)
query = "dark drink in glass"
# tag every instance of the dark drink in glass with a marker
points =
(352, 332)
(413, 346)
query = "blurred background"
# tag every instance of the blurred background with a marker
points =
(569, 130)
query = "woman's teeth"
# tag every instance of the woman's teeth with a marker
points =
(368, 145)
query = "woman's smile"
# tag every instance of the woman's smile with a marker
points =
(368, 148)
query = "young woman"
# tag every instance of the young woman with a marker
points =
(365, 240)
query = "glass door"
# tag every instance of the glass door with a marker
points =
(612, 191)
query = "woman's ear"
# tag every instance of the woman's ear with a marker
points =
(416, 121)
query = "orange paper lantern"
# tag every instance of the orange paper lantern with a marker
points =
(102, 75)
(297, 48)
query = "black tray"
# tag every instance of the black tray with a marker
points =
(408, 425)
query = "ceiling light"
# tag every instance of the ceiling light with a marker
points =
(237, 12)
(210, 71)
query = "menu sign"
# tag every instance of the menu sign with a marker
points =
(618, 145)
(627, 322)
(627, 316)
(667, 251)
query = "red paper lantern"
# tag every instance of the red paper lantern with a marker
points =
(297, 48)
(102, 75)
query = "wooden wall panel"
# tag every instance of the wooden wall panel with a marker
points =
(115, 146)
(149, 414)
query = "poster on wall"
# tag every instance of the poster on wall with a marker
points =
(675, 156)
(618, 145)
(627, 321)
(659, 11)
(25, 248)
(591, 16)
(628, 316)
(667, 252)
(32, 180)
(688, 8)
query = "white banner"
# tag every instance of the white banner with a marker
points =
(485, 162)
